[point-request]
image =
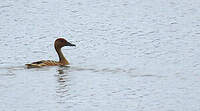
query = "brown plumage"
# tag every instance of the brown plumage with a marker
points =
(58, 44)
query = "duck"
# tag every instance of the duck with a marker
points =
(58, 44)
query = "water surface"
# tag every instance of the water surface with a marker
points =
(130, 55)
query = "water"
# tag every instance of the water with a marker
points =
(130, 55)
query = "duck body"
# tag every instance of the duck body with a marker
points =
(42, 63)
(58, 44)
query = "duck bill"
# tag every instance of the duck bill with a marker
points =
(69, 44)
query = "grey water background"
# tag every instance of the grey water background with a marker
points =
(131, 55)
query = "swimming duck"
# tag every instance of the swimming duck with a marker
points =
(58, 44)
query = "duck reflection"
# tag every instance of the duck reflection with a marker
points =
(60, 71)
(63, 84)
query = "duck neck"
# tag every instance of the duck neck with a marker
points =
(61, 57)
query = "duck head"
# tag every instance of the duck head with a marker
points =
(61, 42)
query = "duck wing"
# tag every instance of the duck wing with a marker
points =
(43, 63)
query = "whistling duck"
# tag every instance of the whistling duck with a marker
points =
(58, 44)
